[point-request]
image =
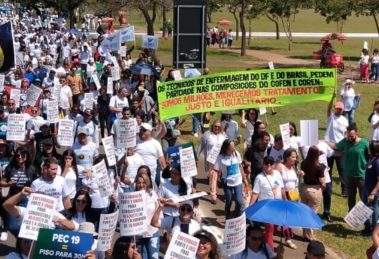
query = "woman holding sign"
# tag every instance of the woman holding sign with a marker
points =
(229, 165)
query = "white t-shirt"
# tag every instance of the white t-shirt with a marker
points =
(374, 132)
(335, 131)
(134, 162)
(347, 96)
(55, 188)
(150, 151)
(268, 186)
(296, 143)
(98, 202)
(70, 181)
(289, 177)
(91, 129)
(167, 222)
(64, 97)
(170, 191)
(85, 154)
(116, 102)
(249, 131)
(259, 255)
(230, 168)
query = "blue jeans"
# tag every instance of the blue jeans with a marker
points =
(350, 115)
(327, 198)
(374, 71)
(232, 193)
(149, 246)
(369, 226)
(196, 117)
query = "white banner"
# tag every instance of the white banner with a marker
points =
(109, 150)
(187, 162)
(133, 219)
(127, 34)
(107, 227)
(149, 42)
(235, 235)
(182, 246)
(39, 214)
(16, 95)
(126, 133)
(32, 95)
(102, 178)
(66, 133)
(358, 215)
(112, 42)
(52, 111)
(16, 127)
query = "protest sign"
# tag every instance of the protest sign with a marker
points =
(107, 227)
(127, 34)
(111, 42)
(33, 94)
(358, 215)
(133, 219)
(2, 80)
(96, 81)
(110, 85)
(262, 110)
(102, 178)
(52, 111)
(187, 162)
(39, 214)
(16, 127)
(176, 74)
(66, 133)
(245, 89)
(115, 72)
(122, 51)
(55, 91)
(126, 133)
(182, 246)
(309, 132)
(16, 95)
(109, 150)
(149, 42)
(235, 235)
(215, 151)
(174, 154)
(286, 137)
(88, 101)
(57, 243)
(189, 196)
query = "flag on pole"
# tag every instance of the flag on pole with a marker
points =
(7, 57)
(111, 42)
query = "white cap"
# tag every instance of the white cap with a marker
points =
(146, 126)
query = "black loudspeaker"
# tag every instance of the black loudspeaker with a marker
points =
(189, 34)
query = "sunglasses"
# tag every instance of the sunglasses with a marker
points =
(20, 155)
(186, 209)
(11, 103)
(81, 201)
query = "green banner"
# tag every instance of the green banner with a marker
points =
(245, 89)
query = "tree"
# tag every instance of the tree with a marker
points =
(255, 9)
(233, 10)
(369, 8)
(212, 7)
(335, 10)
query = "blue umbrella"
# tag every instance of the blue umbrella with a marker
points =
(144, 69)
(284, 213)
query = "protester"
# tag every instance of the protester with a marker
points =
(248, 119)
(208, 246)
(348, 97)
(124, 248)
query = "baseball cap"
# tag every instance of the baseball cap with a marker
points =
(81, 131)
(316, 248)
(339, 105)
(146, 126)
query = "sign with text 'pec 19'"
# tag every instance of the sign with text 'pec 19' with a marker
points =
(56, 243)
(245, 89)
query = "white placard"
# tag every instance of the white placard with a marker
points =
(150, 42)
(107, 227)
(18, 83)
(262, 110)
(122, 51)
(271, 65)
(32, 95)
(187, 162)
(16, 95)
(309, 132)
(2, 80)
(215, 151)
(182, 246)
(358, 215)
(39, 214)
(102, 178)
(235, 235)
(110, 85)
(286, 137)
(52, 111)
(96, 81)
(56, 91)
(109, 150)
(66, 133)
(115, 71)
(127, 34)
(176, 74)
(16, 127)
(191, 196)
(126, 133)
(132, 217)
(88, 101)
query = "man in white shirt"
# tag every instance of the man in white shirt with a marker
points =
(51, 80)
(65, 95)
(85, 151)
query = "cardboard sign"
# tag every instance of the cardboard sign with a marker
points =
(115, 71)
(39, 214)
(57, 243)
(32, 95)
(109, 150)
(122, 51)
(187, 162)
(149, 42)
(56, 91)
(96, 81)
(235, 235)
(182, 246)
(52, 111)
(286, 137)
(309, 132)
(215, 151)
(107, 227)
(66, 133)
(174, 154)
(102, 179)
(110, 85)
(16, 95)
(88, 101)
(16, 127)
(133, 218)
(358, 215)
(126, 133)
